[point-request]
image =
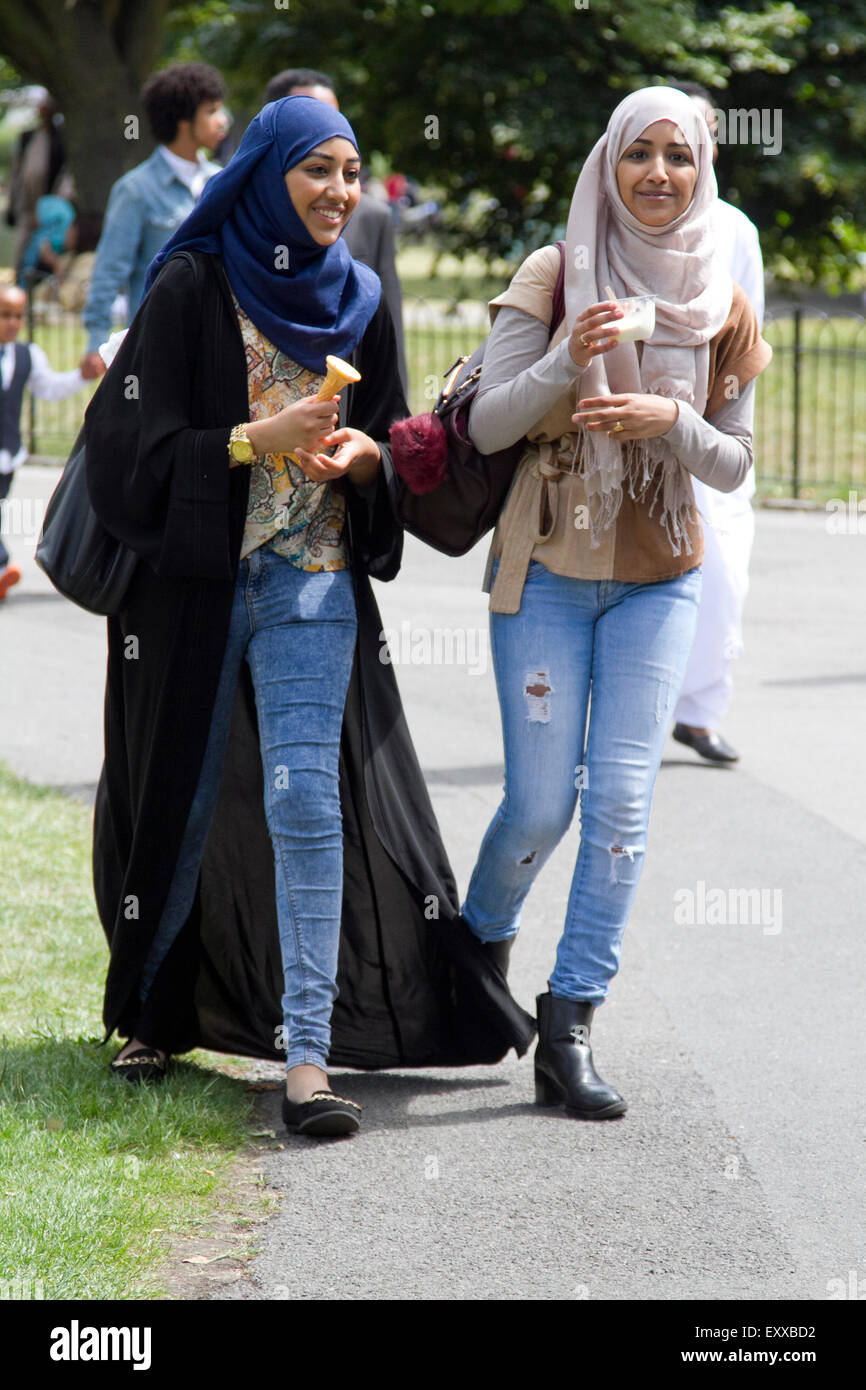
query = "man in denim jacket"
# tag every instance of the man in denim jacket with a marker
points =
(183, 106)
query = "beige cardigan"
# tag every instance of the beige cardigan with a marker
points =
(545, 511)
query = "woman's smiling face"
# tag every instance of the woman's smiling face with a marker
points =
(325, 187)
(656, 174)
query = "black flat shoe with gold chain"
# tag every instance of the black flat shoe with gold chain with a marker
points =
(322, 1115)
(144, 1064)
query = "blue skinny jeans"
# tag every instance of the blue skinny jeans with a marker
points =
(296, 630)
(627, 645)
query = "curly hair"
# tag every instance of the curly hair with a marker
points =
(175, 93)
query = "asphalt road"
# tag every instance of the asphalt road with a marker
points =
(738, 1171)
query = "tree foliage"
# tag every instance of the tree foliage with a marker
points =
(810, 200)
(496, 102)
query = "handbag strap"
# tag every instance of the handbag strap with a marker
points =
(461, 383)
(558, 306)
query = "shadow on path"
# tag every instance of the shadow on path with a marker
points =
(386, 1099)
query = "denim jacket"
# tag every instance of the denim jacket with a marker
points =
(145, 207)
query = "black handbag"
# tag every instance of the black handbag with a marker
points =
(84, 562)
(448, 494)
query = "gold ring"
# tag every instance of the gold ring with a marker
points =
(583, 340)
(618, 427)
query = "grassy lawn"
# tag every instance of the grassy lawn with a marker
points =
(428, 275)
(97, 1177)
(430, 351)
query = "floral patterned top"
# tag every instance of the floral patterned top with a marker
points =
(301, 520)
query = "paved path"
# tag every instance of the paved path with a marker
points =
(738, 1171)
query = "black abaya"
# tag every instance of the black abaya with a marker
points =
(415, 987)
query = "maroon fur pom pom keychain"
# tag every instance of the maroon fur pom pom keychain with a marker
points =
(419, 448)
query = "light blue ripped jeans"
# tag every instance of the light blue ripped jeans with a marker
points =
(628, 645)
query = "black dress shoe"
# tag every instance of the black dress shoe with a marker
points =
(564, 1074)
(323, 1115)
(144, 1064)
(500, 951)
(710, 746)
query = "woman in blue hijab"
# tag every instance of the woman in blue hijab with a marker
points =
(261, 816)
(287, 263)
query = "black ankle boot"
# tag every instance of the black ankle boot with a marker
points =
(564, 1074)
(500, 951)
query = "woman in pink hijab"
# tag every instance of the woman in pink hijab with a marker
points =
(595, 568)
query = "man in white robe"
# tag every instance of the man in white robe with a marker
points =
(729, 528)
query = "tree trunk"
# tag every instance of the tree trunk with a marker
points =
(92, 56)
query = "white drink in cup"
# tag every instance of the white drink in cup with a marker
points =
(638, 321)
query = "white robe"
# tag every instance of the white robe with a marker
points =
(729, 527)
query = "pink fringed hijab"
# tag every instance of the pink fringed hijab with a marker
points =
(607, 245)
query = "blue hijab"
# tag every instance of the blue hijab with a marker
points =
(322, 301)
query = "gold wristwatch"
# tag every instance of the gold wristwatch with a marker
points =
(240, 447)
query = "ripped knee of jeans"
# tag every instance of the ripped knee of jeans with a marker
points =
(618, 855)
(537, 691)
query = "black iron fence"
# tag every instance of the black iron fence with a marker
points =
(810, 417)
(810, 424)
